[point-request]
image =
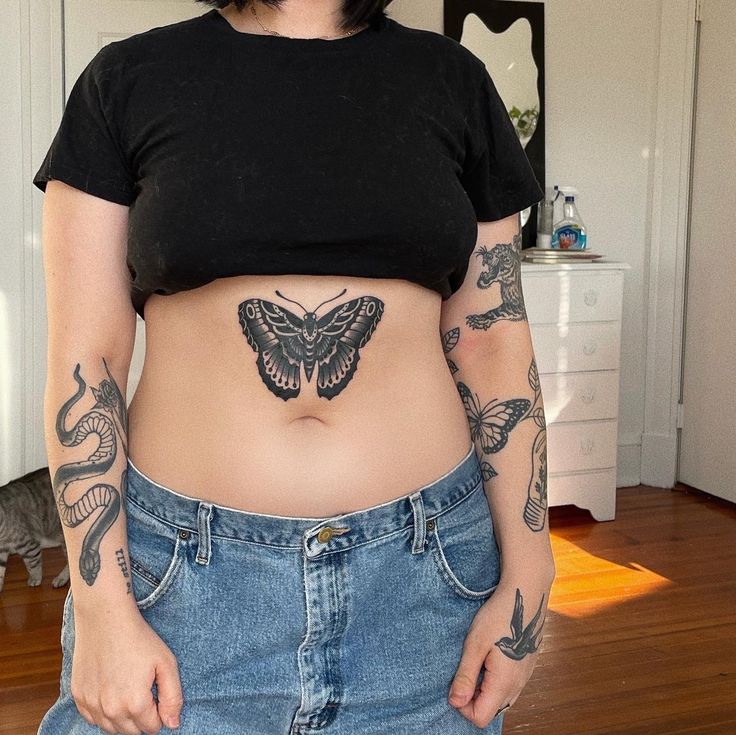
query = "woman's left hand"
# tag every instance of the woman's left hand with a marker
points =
(503, 639)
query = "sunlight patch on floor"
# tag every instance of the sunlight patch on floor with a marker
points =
(585, 584)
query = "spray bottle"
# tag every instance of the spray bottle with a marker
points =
(569, 233)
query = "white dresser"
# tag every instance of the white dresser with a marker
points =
(574, 312)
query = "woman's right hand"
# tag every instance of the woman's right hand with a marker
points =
(116, 660)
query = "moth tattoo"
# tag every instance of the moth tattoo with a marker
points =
(332, 343)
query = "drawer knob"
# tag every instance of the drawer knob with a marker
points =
(590, 296)
(589, 348)
(586, 445)
(587, 394)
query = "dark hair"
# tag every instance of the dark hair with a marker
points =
(354, 12)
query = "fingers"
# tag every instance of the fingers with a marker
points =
(500, 684)
(121, 712)
(120, 719)
(145, 714)
(491, 698)
(170, 695)
(466, 677)
(136, 690)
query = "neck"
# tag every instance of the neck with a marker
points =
(295, 18)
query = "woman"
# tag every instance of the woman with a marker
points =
(296, 525)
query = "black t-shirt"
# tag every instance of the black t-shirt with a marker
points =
(369, 155)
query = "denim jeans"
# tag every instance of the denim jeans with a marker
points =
(347, 625)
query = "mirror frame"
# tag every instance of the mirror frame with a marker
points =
(498, 16)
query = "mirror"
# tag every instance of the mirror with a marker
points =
(508, 36)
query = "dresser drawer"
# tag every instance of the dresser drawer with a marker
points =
(572, 296)
(580, 396)
(581, 445)
(573, 347)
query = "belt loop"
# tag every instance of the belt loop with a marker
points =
(417, 506)
(204, 549)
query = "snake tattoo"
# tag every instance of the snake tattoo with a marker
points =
(101, 495)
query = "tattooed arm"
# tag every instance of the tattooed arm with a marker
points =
(91, 331)
(489, 350)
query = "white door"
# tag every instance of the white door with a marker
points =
(88, 26)
(707, 452)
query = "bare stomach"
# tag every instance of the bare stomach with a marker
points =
(225, 409)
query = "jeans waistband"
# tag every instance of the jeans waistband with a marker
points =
(314, 535)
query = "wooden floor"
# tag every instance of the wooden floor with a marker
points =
(640, 638)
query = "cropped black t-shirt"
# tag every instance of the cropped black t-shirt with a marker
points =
(369, 155)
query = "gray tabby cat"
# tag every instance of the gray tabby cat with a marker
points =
(29, 521)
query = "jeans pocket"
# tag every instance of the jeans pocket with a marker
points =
(157, 551)
(464, 546)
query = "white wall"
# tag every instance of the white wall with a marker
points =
(601, 67)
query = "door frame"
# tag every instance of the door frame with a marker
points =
(668, 238)
(38, 95)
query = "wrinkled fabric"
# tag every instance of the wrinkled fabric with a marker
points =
(371, 155)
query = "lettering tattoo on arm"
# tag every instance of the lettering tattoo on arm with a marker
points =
(502, 265)
(123, 564)
(284, 341)
(108, 421)
(523, 640)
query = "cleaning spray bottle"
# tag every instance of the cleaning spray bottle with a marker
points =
(569, 233)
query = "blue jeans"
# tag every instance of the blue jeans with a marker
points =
(348, 625)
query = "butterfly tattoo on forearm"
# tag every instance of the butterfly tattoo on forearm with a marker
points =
(285, 341)
(491, 423)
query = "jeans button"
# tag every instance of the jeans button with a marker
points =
(430, 524)
(324, 535)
